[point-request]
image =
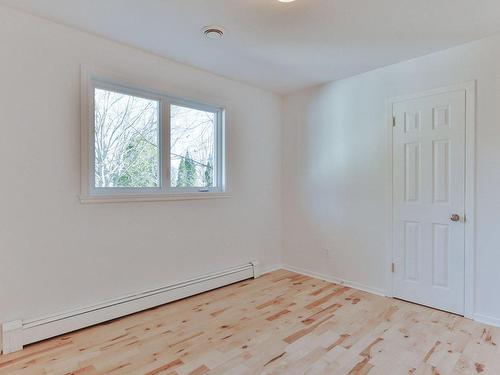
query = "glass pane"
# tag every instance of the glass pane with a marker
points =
(126, 141)
(192, 147)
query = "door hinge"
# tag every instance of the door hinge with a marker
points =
(393, 121)
(393, 268)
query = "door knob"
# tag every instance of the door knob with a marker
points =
(455, 217)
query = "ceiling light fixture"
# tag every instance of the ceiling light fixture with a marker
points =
(285, 1)
(213, 32)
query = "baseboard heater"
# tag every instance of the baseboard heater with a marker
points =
(18, 333)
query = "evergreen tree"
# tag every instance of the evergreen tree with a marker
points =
(141, 166)
(186, 176)
(181, 173)
(191, 170)
(209, 175)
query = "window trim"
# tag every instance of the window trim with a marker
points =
(91, 194)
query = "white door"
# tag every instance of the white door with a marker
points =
(429, 200)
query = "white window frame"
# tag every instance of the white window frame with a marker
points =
(91, 194)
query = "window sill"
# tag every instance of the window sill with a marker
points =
(126, 198)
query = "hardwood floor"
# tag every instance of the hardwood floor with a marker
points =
(281, 323)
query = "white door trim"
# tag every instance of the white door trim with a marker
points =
(470, 173)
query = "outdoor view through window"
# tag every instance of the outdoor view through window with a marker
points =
(126, 137)
(128, 150)
(192, 147)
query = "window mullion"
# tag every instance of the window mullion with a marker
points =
(165, 145)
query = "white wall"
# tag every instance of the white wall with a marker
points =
(335, 168)
(56, 253)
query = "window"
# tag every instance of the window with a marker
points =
(126, 141)
(192, 147)
(147, 146)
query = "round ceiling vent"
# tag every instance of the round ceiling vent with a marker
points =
(213, 32)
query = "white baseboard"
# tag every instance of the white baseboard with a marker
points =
(336, 280)
(18, 333)
(487, 320)
(271, 268)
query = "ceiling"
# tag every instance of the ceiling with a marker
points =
(281, 47)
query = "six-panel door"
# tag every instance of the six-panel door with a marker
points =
(429, 188)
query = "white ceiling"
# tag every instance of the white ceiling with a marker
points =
(281, 46)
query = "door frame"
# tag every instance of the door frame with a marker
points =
(470, 174)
